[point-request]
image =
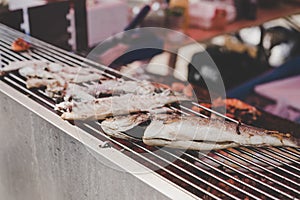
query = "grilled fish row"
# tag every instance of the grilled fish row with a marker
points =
(102, 108)
(139, 97)
(60, 81)
(194, 133)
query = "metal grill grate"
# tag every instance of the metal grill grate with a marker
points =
(238, 173)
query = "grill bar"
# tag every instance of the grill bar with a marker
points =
(281, 154)
(187, 172)
(10, 55)
(263, 168)
(276, 174)
(211, 174)
(216, 113)
(194, 112)
(29, 92)
(272, 164)
(256, 172)
(238, 172)
(230, 176)
(184, 172)
(290, 152)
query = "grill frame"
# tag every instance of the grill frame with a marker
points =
(165, 186)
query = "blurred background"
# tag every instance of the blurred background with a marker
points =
(254, 43)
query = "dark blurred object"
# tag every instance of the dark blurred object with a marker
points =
(276, 44)
(80, 24)
(156, 17)
(49, 23)
(235, 68)
(122, 37)
(280, 44)
(278, 34)
(268, 3)
(281, 48)
(246, 9)
(131, 45)
(138, 18)
(12, 19)
(251, 12)
(141, 45)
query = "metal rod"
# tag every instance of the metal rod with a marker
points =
(29, 92)
(187, 172)
(180, 111)
(263, 175)
(192, 111)
(11, 54)
(253, 171)
(239, 172)
(277, 160)
(285, 156)
(273, 165)
(226, 174)
(290, 152)
(214, 176)
(216, 113)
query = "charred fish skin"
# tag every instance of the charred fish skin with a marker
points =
(106, 87)
(45, 69)
(69, 92)
(20, 64)
(125, 126)
(99, 109)
(185, 131)
(262, 137)
(59, 79)
(121, 86)
(119, 125)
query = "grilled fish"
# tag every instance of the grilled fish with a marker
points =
(125, 126)
(80, 78)
(46, 70)
(116, 105)
(105, 88)
(120, 125)
(37, 83)
(58, 79)
(49, 66)
(120, 86)
(20, 64)
(195, 133)
(36, 71)
(68, 92)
